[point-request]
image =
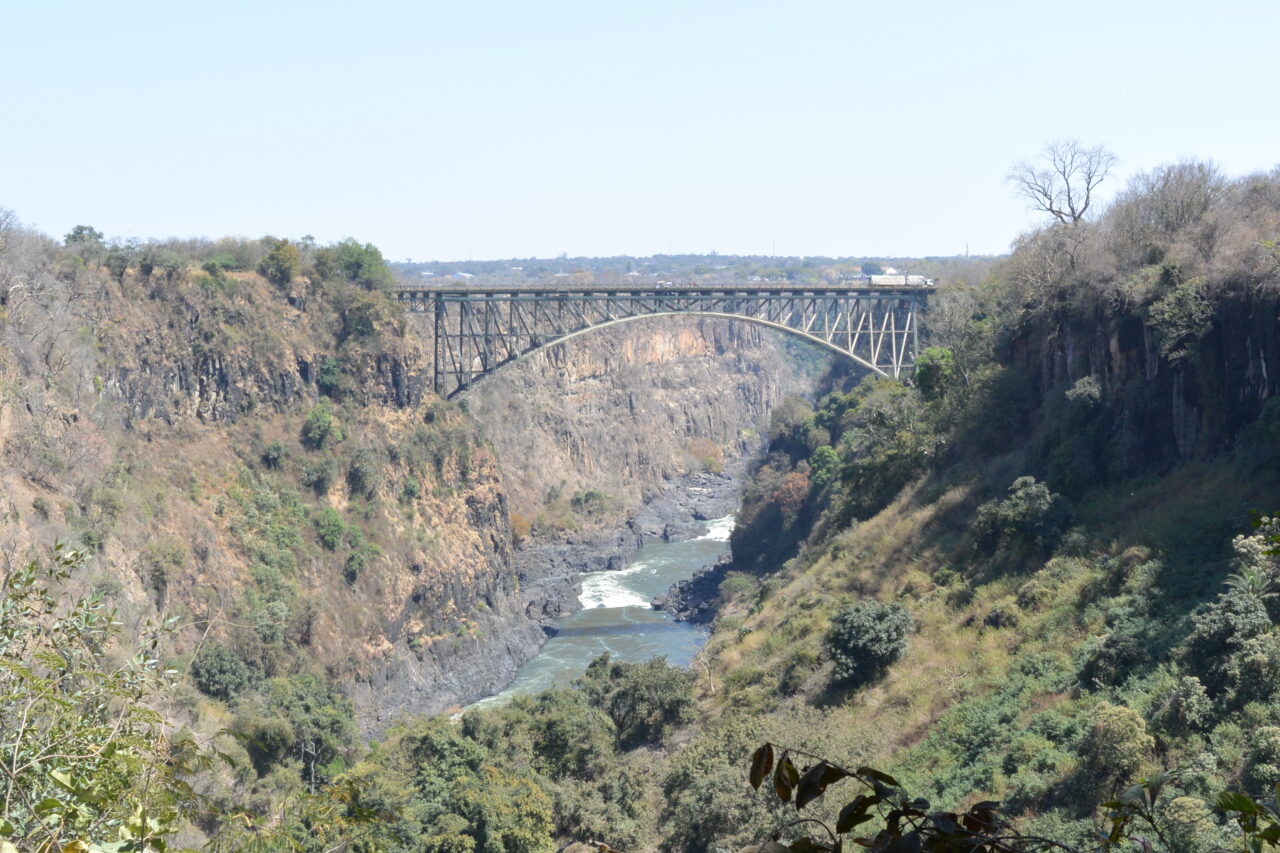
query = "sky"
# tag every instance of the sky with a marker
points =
(474, 129)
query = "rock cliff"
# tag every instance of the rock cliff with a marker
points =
(268, 465)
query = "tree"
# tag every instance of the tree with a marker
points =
(867, 637)
(82, 234)
(85, 758)
(935, 371)
(644, 700)
(1063, 185)
(282, 262)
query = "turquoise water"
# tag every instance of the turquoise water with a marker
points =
(616, 616)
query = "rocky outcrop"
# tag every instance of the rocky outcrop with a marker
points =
(1163, 409)
(694, 599)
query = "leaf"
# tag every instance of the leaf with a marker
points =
(811, 785)
(48, 805)
(761, 764)
(808, 845)
(6, 828)
(1154, 786)
(872, 773)
(1271, 834)
(853, 821)
(855, 812)
(62, 779)
(1234, 801)
(785, 778)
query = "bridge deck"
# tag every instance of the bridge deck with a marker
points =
(663, 290)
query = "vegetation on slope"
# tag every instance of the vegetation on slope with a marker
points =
(1054, 525)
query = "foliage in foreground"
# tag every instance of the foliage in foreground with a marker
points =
(1141, 816)
(85, 760)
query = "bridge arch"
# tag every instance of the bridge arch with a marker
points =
(577, 333)
(478, 331)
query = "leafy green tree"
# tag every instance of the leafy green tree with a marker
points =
(1181, 315)
(282, 262)
(358, 263)
(644, 700)
(866, 638)
(505, 812)
(823, 465)
(935, 371)
(1030, 514)
(320, 427)
(82, 235)
(1117, 743)
(219, 672)
(84, 760)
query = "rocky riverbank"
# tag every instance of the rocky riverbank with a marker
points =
(549, 571)
(694, 599)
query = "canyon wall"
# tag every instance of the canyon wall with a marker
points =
(245, 459)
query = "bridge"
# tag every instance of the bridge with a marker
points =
(480, 329)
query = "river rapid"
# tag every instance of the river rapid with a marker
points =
(616, 616)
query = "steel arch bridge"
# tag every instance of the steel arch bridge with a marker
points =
(479, 330)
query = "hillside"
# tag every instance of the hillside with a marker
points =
(1034, 575)
(240, 437)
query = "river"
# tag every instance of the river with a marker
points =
(616, 616)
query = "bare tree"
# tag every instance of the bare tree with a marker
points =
(1062, 182)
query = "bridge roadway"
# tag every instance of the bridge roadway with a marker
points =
(478, 330)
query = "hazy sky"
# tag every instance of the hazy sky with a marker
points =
(491, 129)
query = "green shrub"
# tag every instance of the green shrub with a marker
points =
(1117, 743)
(866, 638)
(320, 428)
(318, 475)
(219, 672)
(273, 455)
(412, 490)
(736, 584)
(332, 380)
(329, 527)
(357, 561)
(590, 503)
(1030, 514)
(364, 476)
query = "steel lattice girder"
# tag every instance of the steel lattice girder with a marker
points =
(479, 330)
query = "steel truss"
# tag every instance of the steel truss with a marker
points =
(478, 331)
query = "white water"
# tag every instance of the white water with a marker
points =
(616, 616)
(718, 529)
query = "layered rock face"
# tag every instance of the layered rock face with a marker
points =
(634, 413)
(178, 429)
(621, 410)
(1164, 409)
